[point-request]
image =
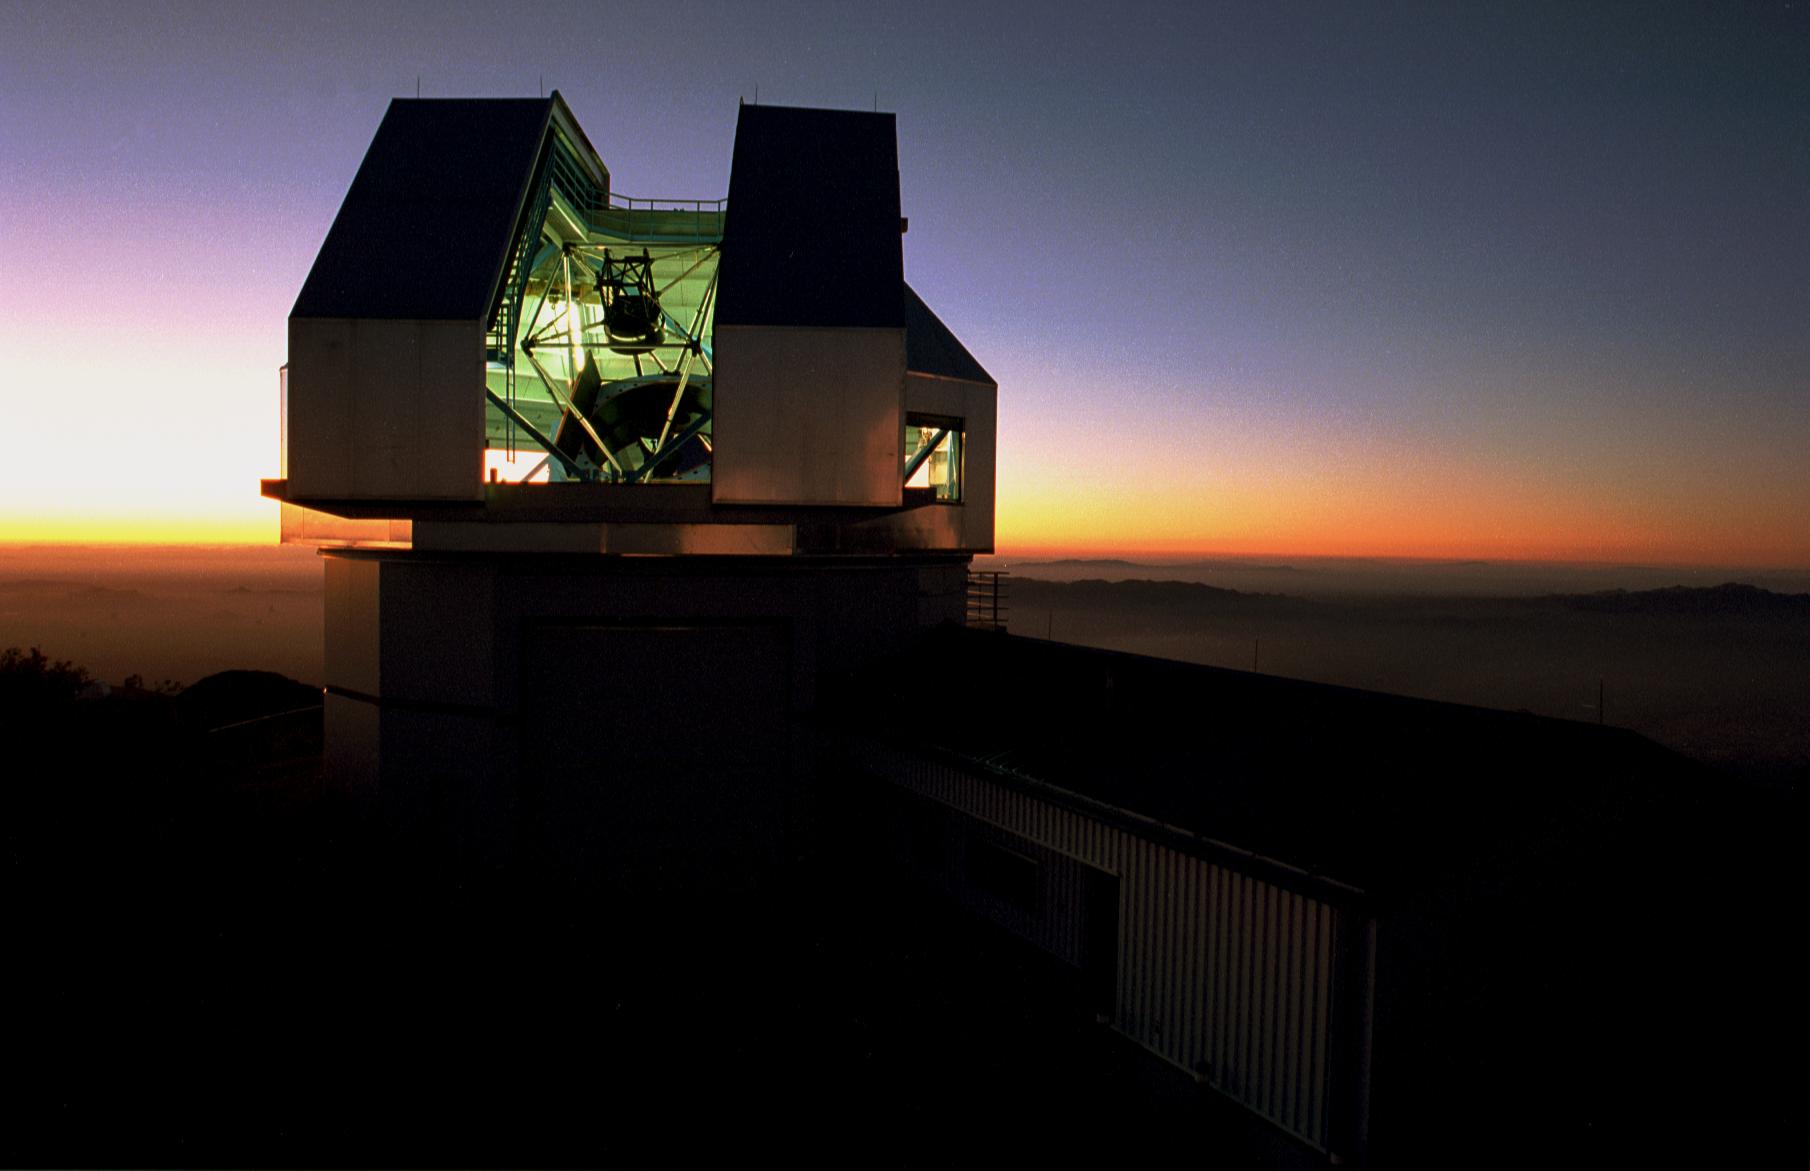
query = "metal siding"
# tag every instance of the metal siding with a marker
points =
(1161, 937)
(1322, 1022)
(1261, 989)
(808, 416)
(1190, 1023)
(1138, 937)
(386, 410)
(1221, 978)
(1176, 1010)
(1312, 972)
(1275, 984)
(1218, 971)
(1264, 960)
(1246, 1014)
(1291, 1018)
(1213, 985)
(1265, 1039)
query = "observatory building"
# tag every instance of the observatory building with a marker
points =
(606, 485)
(647, 527)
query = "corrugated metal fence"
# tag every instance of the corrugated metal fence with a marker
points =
(1229, 975)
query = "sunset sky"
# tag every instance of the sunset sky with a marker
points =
(1518, 281)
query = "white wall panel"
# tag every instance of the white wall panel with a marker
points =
(807, 416)
(319, 404)
(1223, 973)
(385, 410)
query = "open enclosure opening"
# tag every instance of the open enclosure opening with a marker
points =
(599, 360)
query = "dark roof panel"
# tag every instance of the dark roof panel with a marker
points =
(1373, 790)
(424, 229)
(931, 349)
(811, 236)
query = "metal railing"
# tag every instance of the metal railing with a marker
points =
(636, 203)
(986, 608)
(659, 219)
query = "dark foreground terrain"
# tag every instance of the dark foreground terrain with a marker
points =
(213, 962)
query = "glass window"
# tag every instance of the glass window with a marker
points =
(933, 455)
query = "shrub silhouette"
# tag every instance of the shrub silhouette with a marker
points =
(32, 680)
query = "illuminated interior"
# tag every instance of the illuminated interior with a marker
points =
(933, 455)
(599, 356)
(517, 467)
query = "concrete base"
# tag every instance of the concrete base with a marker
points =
(637, 723)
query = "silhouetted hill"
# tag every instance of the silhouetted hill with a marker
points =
(44, 587)
(113, 751)
(1728, 599)
(230, 697)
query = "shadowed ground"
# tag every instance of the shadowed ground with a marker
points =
(215, 964)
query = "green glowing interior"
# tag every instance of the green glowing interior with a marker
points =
(600, 346)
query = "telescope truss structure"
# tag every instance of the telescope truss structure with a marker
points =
(608, 375)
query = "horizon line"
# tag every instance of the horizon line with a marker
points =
(1152, 560)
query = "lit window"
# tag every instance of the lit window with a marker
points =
(933, 455)
(514, 467)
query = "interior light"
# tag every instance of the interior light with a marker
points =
(574, 332)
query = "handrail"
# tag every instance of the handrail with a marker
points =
(986, 597)
(658, 203)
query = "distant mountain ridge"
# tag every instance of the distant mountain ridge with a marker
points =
(1352, 578)
(1729, 598)
(1136, 593)
(45, 585)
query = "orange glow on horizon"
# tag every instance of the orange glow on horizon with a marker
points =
(257, 528)
(1061, 530)
(1462, 523)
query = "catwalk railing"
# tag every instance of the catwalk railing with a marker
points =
(987, 599)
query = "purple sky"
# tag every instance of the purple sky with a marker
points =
(1528, 280)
